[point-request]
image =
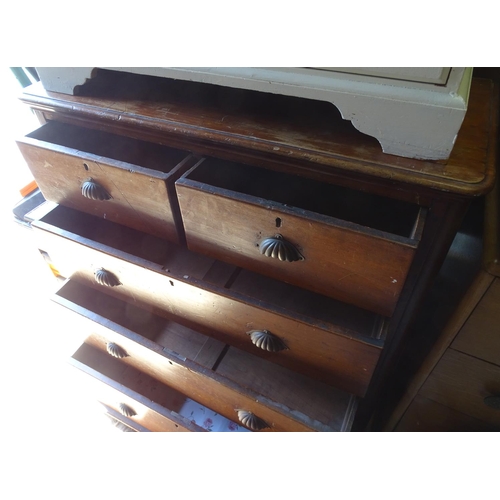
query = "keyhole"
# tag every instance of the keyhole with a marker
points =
(278, 222)
(85, 166)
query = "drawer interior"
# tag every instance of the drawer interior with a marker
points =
(141, 153)
(319, 308)
(145, 246)
(154, 390)
(322, 406)
(365, 209)
(170, 336)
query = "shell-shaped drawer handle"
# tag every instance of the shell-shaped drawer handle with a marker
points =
(116, 351)
(253, 422)
(94, 191)
(106, 278)
(492, 402)
(126, 410)
(279, 248)
(266, 341)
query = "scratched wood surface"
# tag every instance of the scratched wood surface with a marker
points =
(305, 136)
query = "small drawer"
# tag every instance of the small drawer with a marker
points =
(232, 383)
(312, 334)
(352, 246)
(117, 178)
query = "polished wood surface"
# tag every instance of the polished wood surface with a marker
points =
(137, 176)
(274, 131)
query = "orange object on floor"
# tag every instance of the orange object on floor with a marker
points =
(29, 188)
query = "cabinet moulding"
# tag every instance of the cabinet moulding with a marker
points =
(414, 119)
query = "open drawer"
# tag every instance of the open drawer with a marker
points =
(312, 334)
(118, 178)
(140, 398)
(355, 247)
(232, 383)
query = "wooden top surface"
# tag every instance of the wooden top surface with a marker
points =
(285, 129)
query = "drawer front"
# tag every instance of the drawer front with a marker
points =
(298, 343)
(122, 192)
(129, 403)
(462, 383)
(352, 264)
(226, 395)
(224, 398)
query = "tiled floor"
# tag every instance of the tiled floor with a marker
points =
(37, 389)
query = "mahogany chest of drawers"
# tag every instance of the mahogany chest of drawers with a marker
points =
(252, 254)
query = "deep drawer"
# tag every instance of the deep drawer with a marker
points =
(120, 179)
(314, 335)
(222, 378)
(129, 392)
(352, 246)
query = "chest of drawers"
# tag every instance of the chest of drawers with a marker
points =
(239, 251)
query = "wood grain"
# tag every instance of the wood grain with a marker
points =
(461, 382)
(136, 175)
(319, 403)
(230, 228)
(460, 312)
(222, 393)
(425, 415)
(480, 336)
(111, 392)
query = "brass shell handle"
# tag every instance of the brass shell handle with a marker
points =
(126, 410)
(253, 422)
(116, 351)
(106, 278)
(279, 248)
(492, 402)
(94, 191)
(266, 341)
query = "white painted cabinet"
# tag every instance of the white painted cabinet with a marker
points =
(412, 112)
